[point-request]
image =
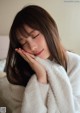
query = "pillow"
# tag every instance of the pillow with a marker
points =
(2, 65)
(2, 74)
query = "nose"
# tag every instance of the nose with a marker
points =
(33, 46)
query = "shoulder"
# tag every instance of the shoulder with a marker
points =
(17, 91)
(73, 57)
(73, 61)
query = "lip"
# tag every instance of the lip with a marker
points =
(39, 52)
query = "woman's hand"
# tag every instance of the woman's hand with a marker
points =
(35, 65)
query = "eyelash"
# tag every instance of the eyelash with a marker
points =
(23, 44)
(32, 37)
(35, 36)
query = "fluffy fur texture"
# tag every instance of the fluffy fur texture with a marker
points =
(62, 91)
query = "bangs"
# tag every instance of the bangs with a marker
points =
(21, 32)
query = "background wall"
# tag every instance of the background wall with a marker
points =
(65, 12)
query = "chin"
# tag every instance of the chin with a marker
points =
(45, 57)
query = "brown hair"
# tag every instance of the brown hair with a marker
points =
(19, 71)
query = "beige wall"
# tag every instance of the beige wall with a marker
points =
(66, 15)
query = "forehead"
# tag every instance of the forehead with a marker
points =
(24, 31)
(28, 29)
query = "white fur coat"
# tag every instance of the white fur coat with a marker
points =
(60, 95)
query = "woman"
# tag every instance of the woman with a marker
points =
(44, 77)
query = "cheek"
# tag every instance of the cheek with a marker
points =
(25, 48)
(42, 42)
(45, 46)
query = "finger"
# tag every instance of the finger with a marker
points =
(27, 53)
(27, 56)
(18, 50)
(30, 57)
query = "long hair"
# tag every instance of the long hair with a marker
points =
(17, 69)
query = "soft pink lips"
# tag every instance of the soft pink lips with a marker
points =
(39, 52)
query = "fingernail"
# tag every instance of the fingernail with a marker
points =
(16, 49)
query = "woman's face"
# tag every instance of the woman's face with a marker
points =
(35, 43)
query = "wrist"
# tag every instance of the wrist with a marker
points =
(43, 80)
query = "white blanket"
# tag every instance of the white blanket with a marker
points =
(63, 94)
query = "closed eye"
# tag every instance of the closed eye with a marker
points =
(35, 36)
(24, 44)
